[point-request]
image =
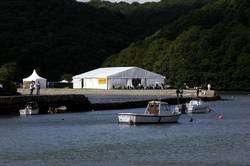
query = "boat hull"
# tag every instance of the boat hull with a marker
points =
(146, 119)
(197, 106)
(197, 109)
(29, 111)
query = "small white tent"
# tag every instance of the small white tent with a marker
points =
(108, 78)
(64, 81)
(34, 77)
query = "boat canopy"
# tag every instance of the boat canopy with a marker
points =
(196, 101)
(155, 107)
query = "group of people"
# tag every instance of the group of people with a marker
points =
(179, 91)
(35, 85)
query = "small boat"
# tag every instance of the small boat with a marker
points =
(31, 108)
(61, 109)
(156, 112)
(197, 106)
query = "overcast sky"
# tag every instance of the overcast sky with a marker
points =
(129, 1)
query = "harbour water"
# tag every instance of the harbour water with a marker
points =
(95, 138)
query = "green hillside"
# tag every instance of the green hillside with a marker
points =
(209, 45)
(64, 36)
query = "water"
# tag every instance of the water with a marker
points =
(124, 98)
(95, 138)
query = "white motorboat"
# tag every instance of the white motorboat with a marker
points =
(31, 108)
(156, 112)
(197, 106)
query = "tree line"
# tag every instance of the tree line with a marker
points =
(209, 45)
(189, 41)
(65, 37)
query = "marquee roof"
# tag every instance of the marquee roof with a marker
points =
(119, 72)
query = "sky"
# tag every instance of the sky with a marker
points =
(128, 1)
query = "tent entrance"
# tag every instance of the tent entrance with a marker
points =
(136, 82)
(82, 82)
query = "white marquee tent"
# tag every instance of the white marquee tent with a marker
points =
(34, 77)
(108, 78)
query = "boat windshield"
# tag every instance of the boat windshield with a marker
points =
(165, 107)
(31, 104)
(196, 102)
(153, 108)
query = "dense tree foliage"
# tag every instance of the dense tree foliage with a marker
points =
(65, 36)
(209, 45)
(7, 73)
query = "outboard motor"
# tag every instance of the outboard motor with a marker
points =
(183, 108)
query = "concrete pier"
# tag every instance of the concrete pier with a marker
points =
(12, 104)
(134, 92)
(75, 100)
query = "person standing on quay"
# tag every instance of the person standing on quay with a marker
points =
(197, 92)
(181, 92)
(177, 94)
(208, 86)
(32, 87)
(38, 86)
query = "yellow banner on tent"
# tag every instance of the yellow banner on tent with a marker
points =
(102, 81)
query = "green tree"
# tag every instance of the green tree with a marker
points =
(67, 76)
(209, 45)
(7, 73)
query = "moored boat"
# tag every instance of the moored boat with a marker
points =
(156, 112)
(31, 108)
(61, 109)
(197, 106)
